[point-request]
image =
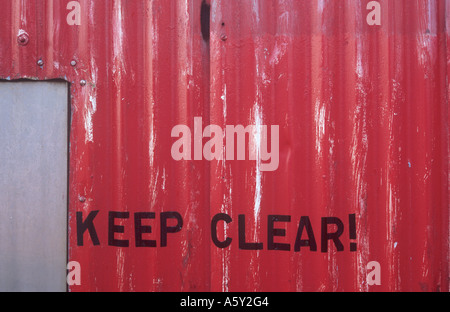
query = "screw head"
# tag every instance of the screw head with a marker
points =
(73, 63)
(83, 82)
(40, 63)
(23, 39)
(224, 37)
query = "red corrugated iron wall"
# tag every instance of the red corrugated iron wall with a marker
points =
(363, 140)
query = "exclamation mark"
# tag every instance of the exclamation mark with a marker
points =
(352, 230)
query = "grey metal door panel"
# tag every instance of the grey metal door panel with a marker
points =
(33, 186)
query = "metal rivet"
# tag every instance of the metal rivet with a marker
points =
(40, 63)
(224, 37)
(82, 199)
(73, 63)
(83, 82)
(23, 39)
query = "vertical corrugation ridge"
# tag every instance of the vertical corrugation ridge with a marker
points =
(446, 216)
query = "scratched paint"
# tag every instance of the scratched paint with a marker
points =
(363, 116)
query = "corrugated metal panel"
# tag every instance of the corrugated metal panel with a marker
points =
(363, 117)
(363, 131)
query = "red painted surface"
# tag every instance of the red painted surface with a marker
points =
(363, 116)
